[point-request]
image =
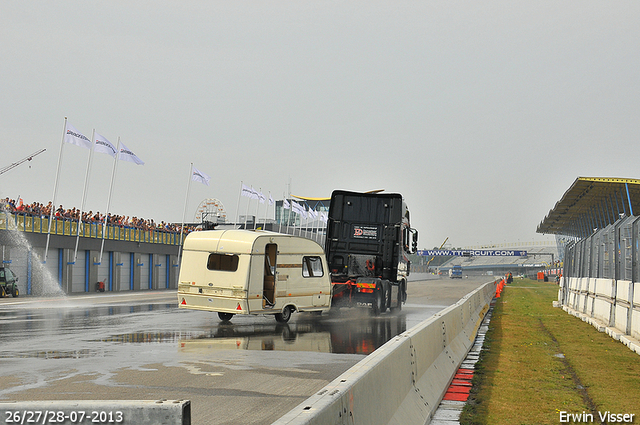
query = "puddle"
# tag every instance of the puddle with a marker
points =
(146, 337)
(327, 335)
(53, 354)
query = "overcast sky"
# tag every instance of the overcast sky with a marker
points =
(482, 114)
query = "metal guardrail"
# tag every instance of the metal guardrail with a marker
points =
(64, 227)
(609, 253)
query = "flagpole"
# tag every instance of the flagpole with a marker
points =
(289, 215)
(306, 227)
(238, 206)
(306, 221)
(84, 193)
(313, 224)
(267, 212)
(317, 224)
(293, 231)
(106, 213)
(299, 215)
(184, 212)
(52, 213)
(281, 216)
(255, 221)
(291, 206)
(247, 213)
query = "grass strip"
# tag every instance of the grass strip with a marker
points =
(539, 361)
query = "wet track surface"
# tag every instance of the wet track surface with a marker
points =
(140, 346)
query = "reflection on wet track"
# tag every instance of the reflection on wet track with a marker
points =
(339, 333)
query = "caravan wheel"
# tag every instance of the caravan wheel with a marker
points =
(225, 317)
(285, 315)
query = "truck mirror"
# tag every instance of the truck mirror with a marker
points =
(415, 241)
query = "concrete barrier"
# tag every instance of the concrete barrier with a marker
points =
(403, 381)
(139, 412)
(611, 306)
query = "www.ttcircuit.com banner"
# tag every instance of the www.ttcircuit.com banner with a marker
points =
(471, 253)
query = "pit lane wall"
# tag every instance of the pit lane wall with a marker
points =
(124, 265)
(403, 381)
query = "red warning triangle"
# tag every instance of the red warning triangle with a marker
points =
(184, 302)
(238, 308)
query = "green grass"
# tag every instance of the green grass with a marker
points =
(539, 361)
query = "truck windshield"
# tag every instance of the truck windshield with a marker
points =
(223, 262)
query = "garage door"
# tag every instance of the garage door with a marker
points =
(125, 271)
(78, 273)
(144, 271)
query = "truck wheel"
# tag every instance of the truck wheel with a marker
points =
(376, 305)
(225, 317)
(2, 293)
(386, 301)
(15, 292)
(401, 298)
(284, 316)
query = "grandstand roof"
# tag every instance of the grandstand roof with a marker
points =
(590, 203)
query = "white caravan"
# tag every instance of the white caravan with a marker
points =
(253, 272)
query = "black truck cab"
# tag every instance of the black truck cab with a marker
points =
(369, 237)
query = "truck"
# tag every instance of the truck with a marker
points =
(253, 272)
(455, 272)
(368, 240)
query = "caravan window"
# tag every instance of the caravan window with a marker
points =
(312, 267)
(223, 262)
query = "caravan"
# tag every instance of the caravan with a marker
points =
(253, 272)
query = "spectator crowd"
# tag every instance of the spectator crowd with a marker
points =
(37, 209)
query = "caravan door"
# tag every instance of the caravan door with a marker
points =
(269, 278)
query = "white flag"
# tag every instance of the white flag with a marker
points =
(297, 208)
(313, 213)
(249, 192)
(127, 155)
(104, 146)
(73, 136)
(199, 176)
(245, 191)
(261, 197)
(271, 201)
(286, 204)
